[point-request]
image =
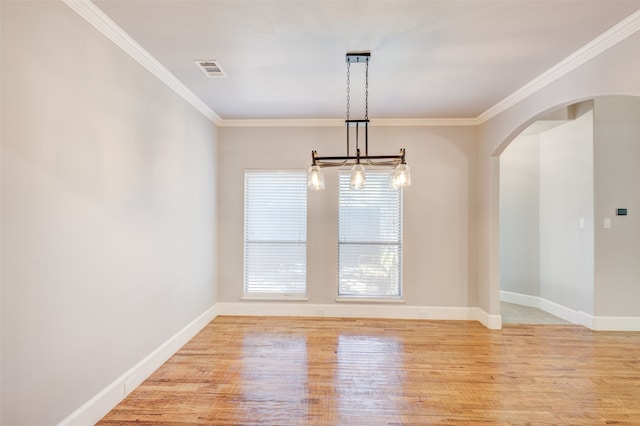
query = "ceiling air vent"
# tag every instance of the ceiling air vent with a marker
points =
(211, 68)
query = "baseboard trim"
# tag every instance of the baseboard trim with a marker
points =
(520, 299)
(361, 310)
(104, 401)
(491, 321)
(568, 314)
(599, 323)
(561, 311)
(602, 323)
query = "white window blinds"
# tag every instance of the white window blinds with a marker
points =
(369, 238)
(275, 233)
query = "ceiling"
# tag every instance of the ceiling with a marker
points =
(429, 59)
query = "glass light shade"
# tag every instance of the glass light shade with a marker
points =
(315, 178)
(401, 176)
(358, 178)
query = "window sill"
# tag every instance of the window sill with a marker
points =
(354, 299)
(275, 297)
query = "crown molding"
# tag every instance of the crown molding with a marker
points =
(423, 122)
(336, 122)
(96, 17)
(606, 40)
(111, 30)
(284, 122)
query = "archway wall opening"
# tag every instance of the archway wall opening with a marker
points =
(612, 72)
(546, 213)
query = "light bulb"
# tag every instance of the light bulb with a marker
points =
(401, 176)
(358, 177)
(315, 178)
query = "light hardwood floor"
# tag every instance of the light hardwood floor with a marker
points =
(324, 371)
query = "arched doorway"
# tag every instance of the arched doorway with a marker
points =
(563, 247)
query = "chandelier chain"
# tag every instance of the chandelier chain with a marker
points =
(348, 88)
(366, 93)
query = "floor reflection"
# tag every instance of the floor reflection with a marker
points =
(274, 377)
(369, 378)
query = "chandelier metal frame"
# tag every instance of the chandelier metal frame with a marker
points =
(400, 177)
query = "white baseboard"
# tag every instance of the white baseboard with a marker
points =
(360, 310)
(567, 314)
(520, 299)
(600, 323)
(104, 401)
(491, 321)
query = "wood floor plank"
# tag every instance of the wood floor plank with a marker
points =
(325, 371)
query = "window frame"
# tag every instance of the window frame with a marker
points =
(343, 185)
(301, 185)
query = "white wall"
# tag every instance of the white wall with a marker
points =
(614, 71)
(566, 196)
(439, 221)
(520, 217)
(108, 212)
(617, 174)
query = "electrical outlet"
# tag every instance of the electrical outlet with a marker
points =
(423, 315)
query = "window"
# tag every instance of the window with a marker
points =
(275, 233)
(369, 238)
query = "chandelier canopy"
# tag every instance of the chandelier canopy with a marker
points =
(400, 176)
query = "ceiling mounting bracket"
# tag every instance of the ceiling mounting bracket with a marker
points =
(357, 57)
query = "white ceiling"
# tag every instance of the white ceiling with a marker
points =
(429, 59)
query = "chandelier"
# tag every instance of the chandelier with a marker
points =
(400, 176)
